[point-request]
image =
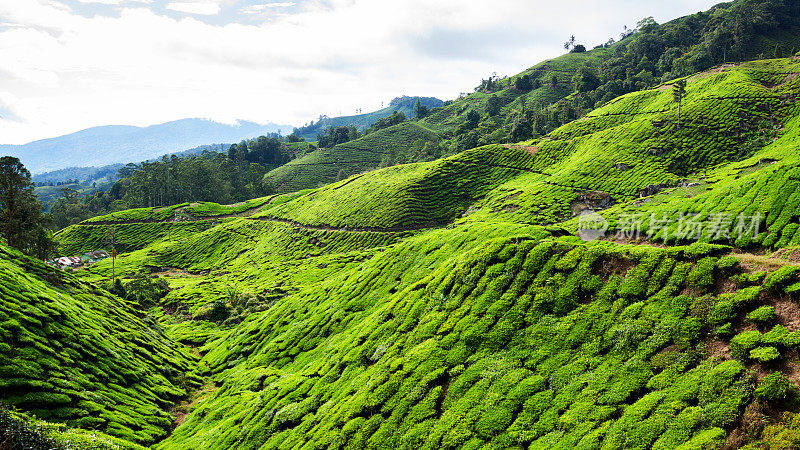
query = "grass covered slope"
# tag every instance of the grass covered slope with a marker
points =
(607, 157)
(403, 104)
(462, 337)
(74, 353)
(621, 149)
(134, 229)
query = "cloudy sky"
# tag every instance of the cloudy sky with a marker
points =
(66, 65)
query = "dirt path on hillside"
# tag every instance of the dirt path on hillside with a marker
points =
(324, 227)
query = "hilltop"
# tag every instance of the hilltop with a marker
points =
(536, 101)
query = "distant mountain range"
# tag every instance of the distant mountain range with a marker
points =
(112, 144)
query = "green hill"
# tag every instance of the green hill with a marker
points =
(450, 304)
(535, 102)
(405, 142)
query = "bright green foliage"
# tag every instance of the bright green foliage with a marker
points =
(765, 354)
(774, 387)
(763, 315)
(515, 351)
(71, 352)
(446, 303)
(781, 277)
(409, 196)
(751, 187)
(742, 343)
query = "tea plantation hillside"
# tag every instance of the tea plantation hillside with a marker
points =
(620, 152)
(74, 353)
(536, 101)
(450, 304)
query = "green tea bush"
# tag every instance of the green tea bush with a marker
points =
(82, 356)
(779, 279)
(775, 387)
(763, 315)
(778, 336)
(742, 343)
(765, 354)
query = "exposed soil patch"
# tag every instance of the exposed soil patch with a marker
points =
(718, 349)
(531, 149)
(714, 70)
(753, 262)
(789, 255)
(789, 366)
(788, 311)
(614, 265)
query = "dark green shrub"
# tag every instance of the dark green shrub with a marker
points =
(117, 288)
(146, 291)
(219, 311)
(216, 311)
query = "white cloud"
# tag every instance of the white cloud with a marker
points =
(258, 9)
(67, 72)
(103, 2)
(201, 8)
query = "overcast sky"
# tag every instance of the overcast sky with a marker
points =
(71, 64)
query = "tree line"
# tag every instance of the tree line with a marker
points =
(228, 177)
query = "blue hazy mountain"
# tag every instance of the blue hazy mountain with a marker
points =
(112, 144)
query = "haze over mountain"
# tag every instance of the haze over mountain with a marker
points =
(111, 144)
